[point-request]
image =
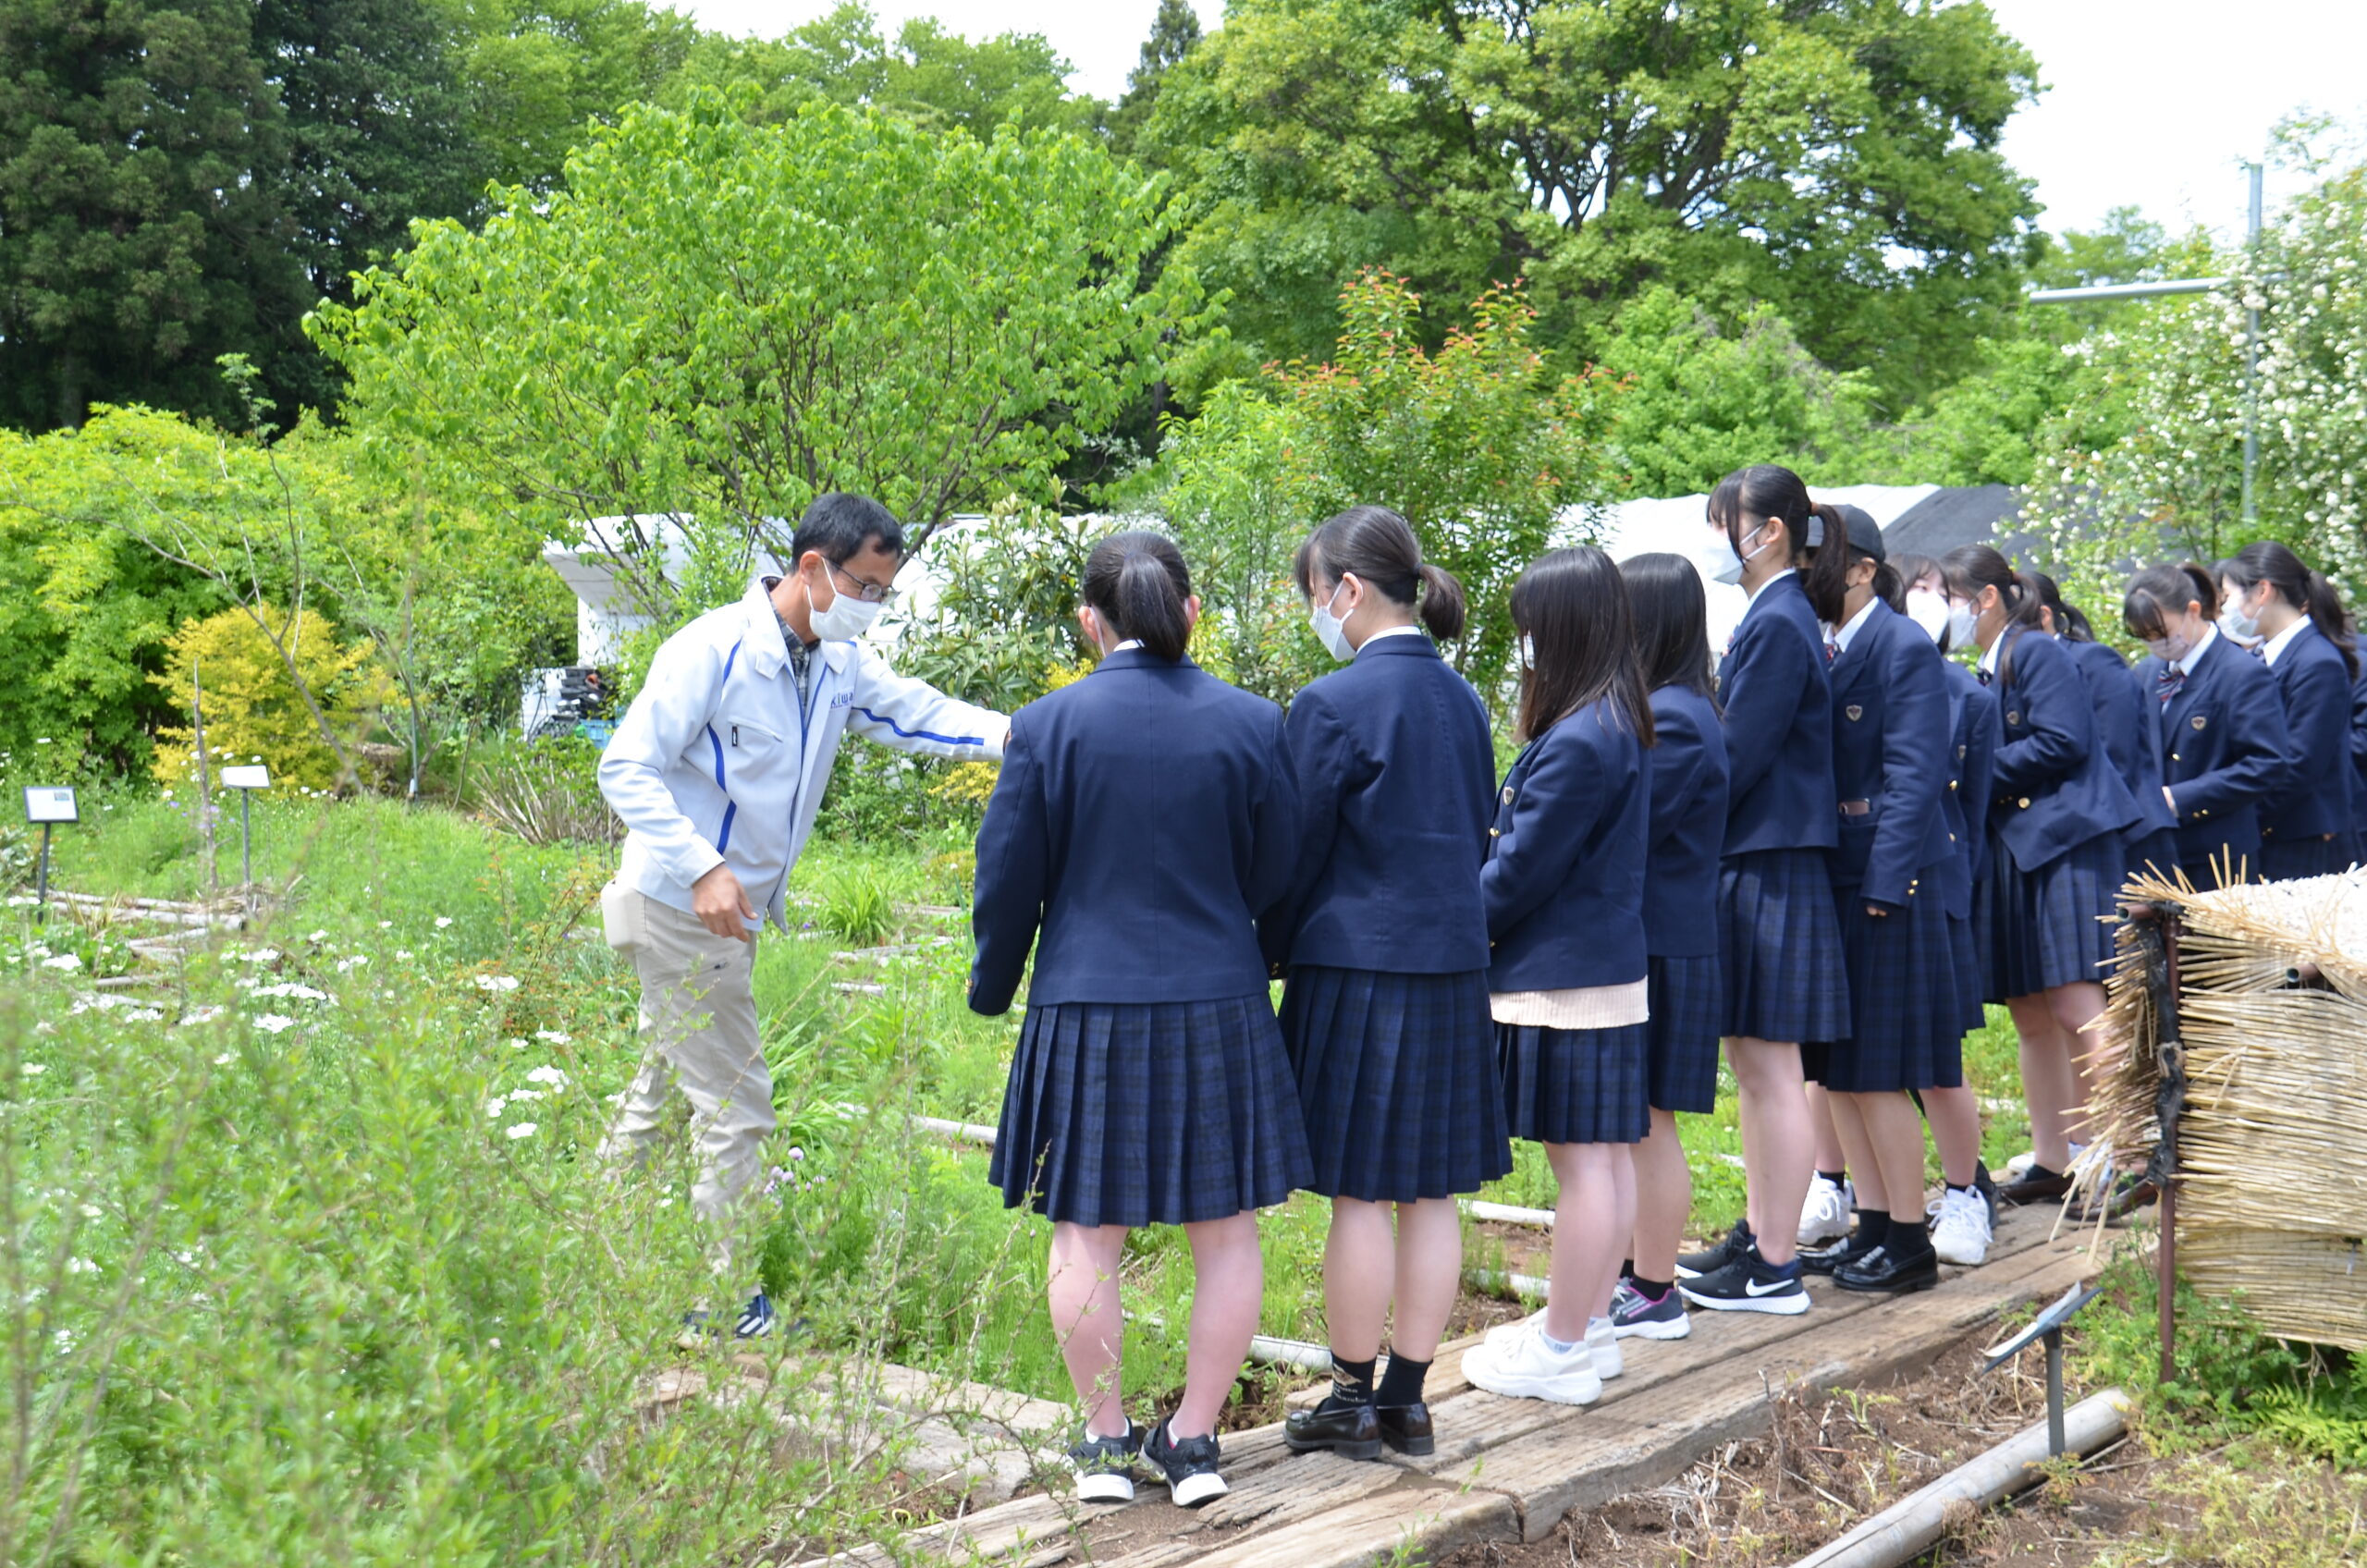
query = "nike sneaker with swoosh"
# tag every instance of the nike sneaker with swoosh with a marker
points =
(1749, 1284)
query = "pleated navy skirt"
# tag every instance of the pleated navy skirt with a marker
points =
(2156, 854)
(1681, 1042)
(1150, 1113)
(1786, 979)
(1397, 1080)
(1905, 1001)
(2284, 861)
(1576, 1085)
(2053, 925)
(1972, 970)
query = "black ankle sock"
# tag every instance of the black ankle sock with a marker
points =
(1907, 1241)
(1627, 1268)
(1973, 1185)
(1837, 1177)
(1350, 1381)
(1650, 1289)
(1402, 1384)
(1873, 1228)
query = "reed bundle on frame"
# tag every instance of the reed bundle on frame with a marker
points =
(2268, 1022)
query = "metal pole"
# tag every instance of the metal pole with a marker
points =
(2251, 353)
(2165, 1211)
(246, 849)
(2096, 291)
(41, 904)
(2054, 1444)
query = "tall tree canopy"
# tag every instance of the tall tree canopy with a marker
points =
(1836, 159)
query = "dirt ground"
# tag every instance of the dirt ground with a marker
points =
(1836, 1458)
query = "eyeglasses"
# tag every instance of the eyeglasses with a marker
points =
(870, 593)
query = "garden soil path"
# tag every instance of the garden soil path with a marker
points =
(1508, 1470)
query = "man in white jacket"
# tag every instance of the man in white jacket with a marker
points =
(716, 770)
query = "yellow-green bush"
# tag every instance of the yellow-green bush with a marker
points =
(253, 706)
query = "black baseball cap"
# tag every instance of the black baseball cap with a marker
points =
(1865, 533)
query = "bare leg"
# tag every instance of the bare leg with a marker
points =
(1778, 1149)
(1895, 1136)
(1831, 1155)
(1228, 1292)
(1663, 1199)
(2047, 1083)
(1087, 1321)
(1429, 1274)
(1864, 1159)
(1589, 1235)
(1359, 1258)
(1955, 1116)
(2074, 1008)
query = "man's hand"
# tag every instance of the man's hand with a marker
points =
(721, 904)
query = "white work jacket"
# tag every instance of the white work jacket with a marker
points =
(714, 763)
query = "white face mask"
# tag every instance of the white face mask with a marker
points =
(844, 619)
(1726, 565)
(1329, 628)
(2237, 624)
(1964, 624)
(2170, 649)
(1928, 610)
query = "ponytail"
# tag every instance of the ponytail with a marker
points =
(1377, 547)
(1827, 577)
(2206, 587)
(1889, 587)
(1969, 569)
(1137, 583)
(2326, 613)
(2309, 592)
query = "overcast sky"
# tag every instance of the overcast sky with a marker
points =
(2149, 103)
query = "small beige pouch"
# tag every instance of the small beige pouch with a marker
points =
(620, 916)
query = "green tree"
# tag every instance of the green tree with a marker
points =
(143, 224)
(1836, 159)
(1479, 446)
(538, 72)
(1174, 34)
(843, 302)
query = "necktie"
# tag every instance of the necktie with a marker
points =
(1985, 676)
(1832, 650)
(2169, 682)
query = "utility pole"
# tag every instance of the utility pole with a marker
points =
(2251, 352)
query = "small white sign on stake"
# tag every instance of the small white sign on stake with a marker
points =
(50, 804)
(253, 776)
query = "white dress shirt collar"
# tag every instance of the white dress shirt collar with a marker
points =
(1407, 629)
(2186, 665)
(1850, 629)
(2275, 645)
(1787, 572)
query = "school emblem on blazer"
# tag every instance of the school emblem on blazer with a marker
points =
(2014, 716)
(2197, 721)
(1855, 712)
(1508, 794)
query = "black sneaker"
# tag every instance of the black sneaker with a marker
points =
(1749, 1284)
(1986, 1185)
(1710, 1260)
(756, 1321)
(1637, 1315)
(1189, 1467)
(1105, 1466)
(1352, 1431)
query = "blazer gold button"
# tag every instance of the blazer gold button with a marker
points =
(2024, 802)
(1494, 833)
(2174, 756)
(1952, 783)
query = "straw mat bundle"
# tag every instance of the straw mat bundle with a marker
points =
(2272, 1143)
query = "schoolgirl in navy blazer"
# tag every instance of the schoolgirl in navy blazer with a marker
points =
(1394, 764)
(2053, 787)
(1578, 797)
(2224, 753)
(1975, 734)
(1778, 725)
(1890, 756)
(2132, 743)
(2315, 803)
(1144, 880)
(1687, 824)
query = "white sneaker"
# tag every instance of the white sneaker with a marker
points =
(1962, 1234)
(1505, 1333)
(2018, 1167)
(1826, 1215)
(1528, 1369)
(1603, 1344)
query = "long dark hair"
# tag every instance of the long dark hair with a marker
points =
(2070, 624)
(2309, 592)
(1766, 490)
(2160, 593)
(1378, 546)
(1136, 582)
(1970, 568)
(1670, 611)
(1572, 606)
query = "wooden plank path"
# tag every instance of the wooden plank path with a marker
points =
(1507, 1470)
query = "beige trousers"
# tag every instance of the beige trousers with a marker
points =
(698, 1016)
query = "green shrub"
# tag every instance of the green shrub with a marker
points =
(254, 708)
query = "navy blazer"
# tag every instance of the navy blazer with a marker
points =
(1891, 730)
(2225, 751)
(1564, 880)
(1146, 816)
(2053, 788)
(2131, 739)
(1779, 726)
(1976, 736)
(1688, 823)
(1396, 772)
(2315, 685)
(2359, 752)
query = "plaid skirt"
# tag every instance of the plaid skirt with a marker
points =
(2053, 925)
(1972, 968)
(2156, 853)
(1397, 1079)
(1576, 1085)
(1905, 1002)
(1780, 947)
(2282, 861)
(1681, 1041)
(1150, 1113)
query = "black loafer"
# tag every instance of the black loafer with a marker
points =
(1406, 1427)
(2037, 1185)
(1884, 1270)
(1830, 1260)
(1352, 1431)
